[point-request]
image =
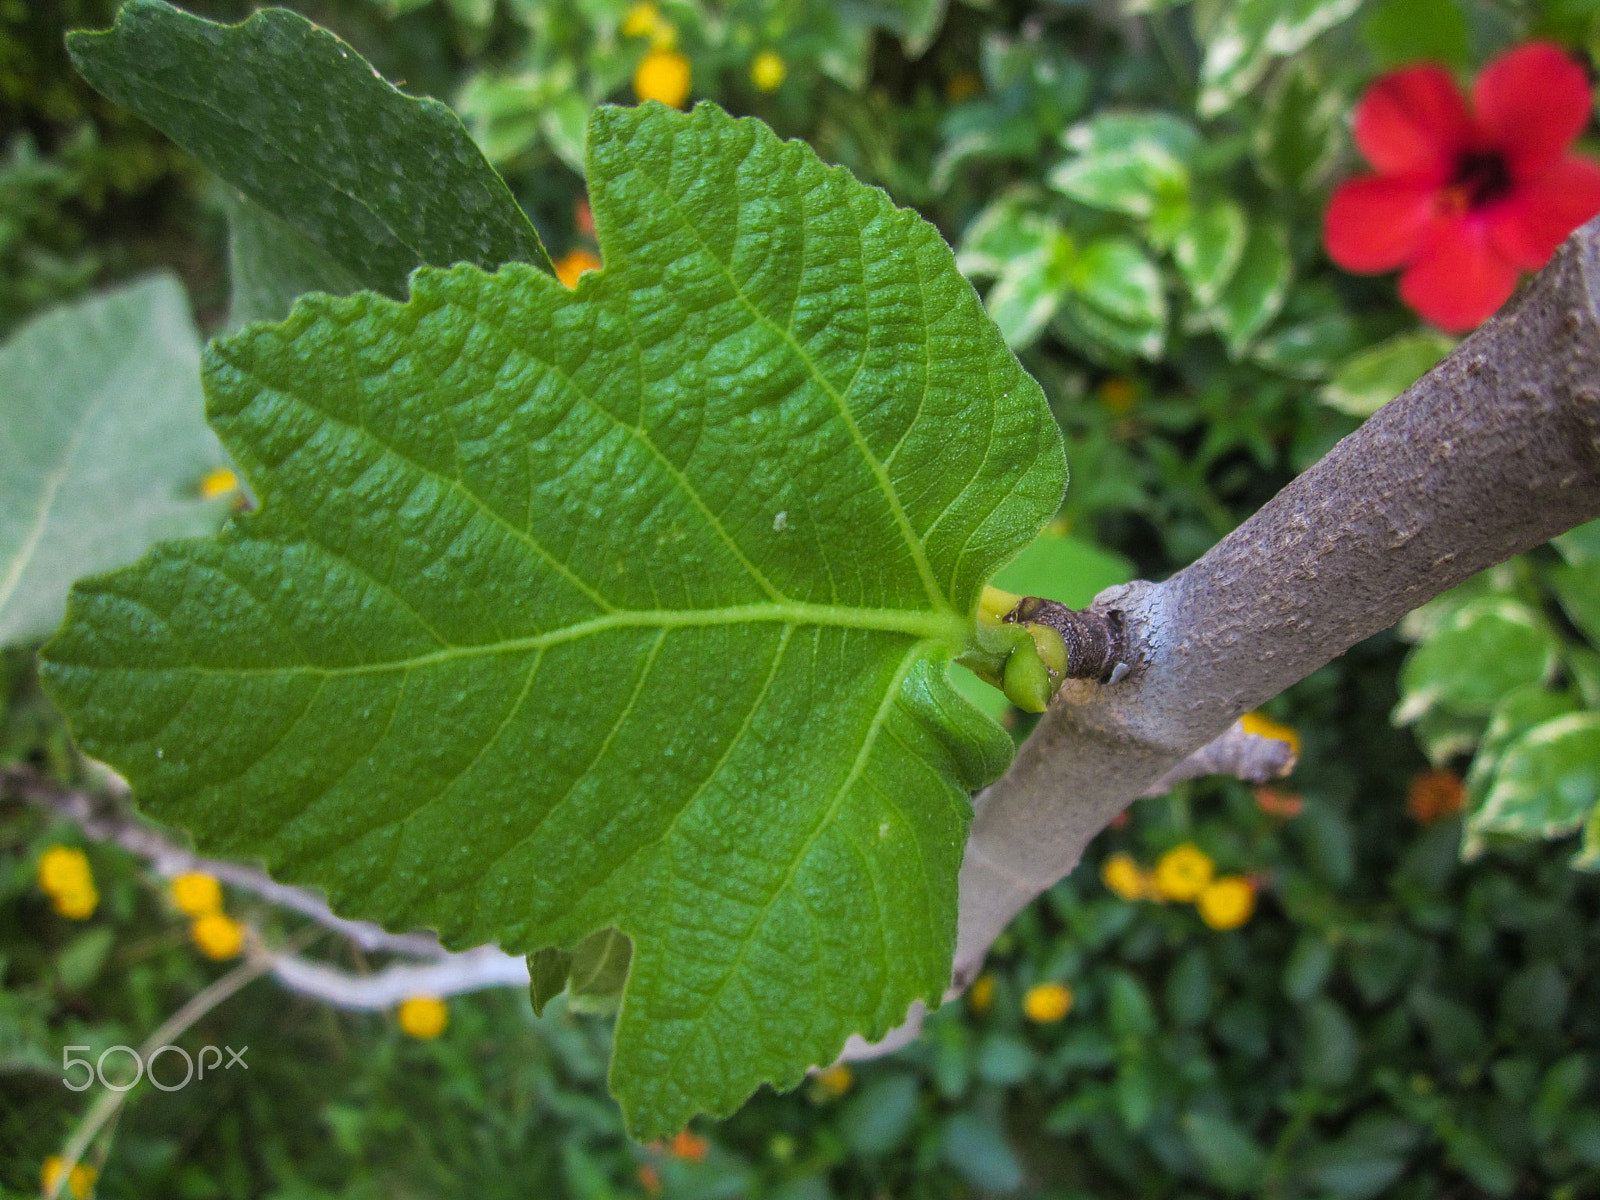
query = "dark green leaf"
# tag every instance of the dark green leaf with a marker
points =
(547, 976)
(980, 1154)
(1231, 1157)
(376, 180)
(1374, 377)
(878, 1119)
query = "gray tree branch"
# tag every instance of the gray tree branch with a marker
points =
(1494, 451)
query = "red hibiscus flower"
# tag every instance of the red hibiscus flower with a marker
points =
(1465, 200)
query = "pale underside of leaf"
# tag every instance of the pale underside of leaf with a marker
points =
(102, 445)
(627, 607)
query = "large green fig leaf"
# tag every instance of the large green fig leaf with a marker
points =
(375, 182)
(102, 445)
(629, 607)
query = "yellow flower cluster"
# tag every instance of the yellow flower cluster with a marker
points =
(65, 877)
(80, 1180)
(1047, 1002)
(198, 896)
(423, 1016)
(1185, 874)
(663, 74)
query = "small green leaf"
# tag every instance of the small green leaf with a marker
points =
(980, 1154)
(1008, 229)
(102, 445)
(1518, 711)
(1115, 281)
(1374, 377)
(1330, 1050)
(1298, 137)
(1581, 544)
(1127, 162)
(1548, 781)
(878, 1120)
(1250, 35)
(1485, 649)
(1208, 247)
(1257, 290)
(1231, 1157)
(1029, 292)
(379, 181)
(1577, 586)
(79, 964)
(548, 971)
(625, 607)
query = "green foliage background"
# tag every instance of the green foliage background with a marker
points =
(1391, 1022)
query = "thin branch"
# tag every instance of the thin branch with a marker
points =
(469, 971)
(109, 820)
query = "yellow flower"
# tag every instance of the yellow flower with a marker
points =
(196, 894)
(424, 1016)
(981, 994)
(1268, 728)
(645, 20)
(1227, 903)
(836, 1080)
(76, 903)
(218, 483)
(80, 1180)
(768, 70)
(1126, 878)
(664, 75)
(1047, 1002)
(65, 877)
(1183, 872)
(575, 264)
(64, 869)
(217, 936)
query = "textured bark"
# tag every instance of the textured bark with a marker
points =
(1494, 451)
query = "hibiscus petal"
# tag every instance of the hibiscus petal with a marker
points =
(1458, 278)
(1529, 224)
(1413, 122)
(1376, 223)
(1532, 103)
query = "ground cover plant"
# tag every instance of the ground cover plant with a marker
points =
(1148, 255)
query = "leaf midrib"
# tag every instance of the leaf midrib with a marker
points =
(943, 628)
